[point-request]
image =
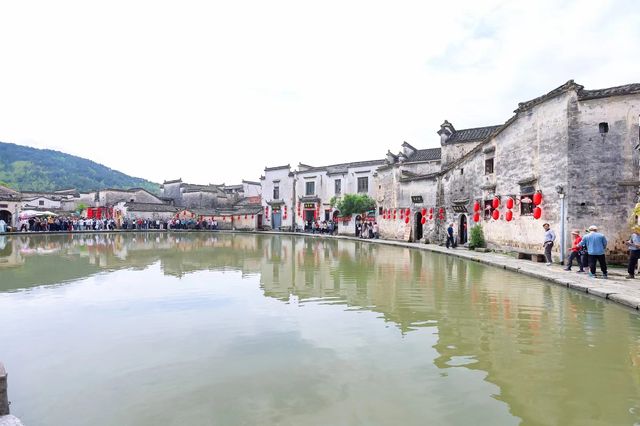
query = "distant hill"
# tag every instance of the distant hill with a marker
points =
(30, 169)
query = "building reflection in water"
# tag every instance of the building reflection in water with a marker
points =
(486, 319)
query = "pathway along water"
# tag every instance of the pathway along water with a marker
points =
(194, 329)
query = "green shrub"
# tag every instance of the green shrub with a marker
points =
(354, 204)
(476, 237)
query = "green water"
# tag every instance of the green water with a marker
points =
(218, 329)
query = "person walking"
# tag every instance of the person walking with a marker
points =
(634, 252)
(549, 239)
(575, 251)
(450, 240)
(596, 244)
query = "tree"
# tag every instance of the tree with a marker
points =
(354, 204)
(476, 237)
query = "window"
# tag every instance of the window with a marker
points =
(338, 184)
(41, 203)
(310, 188)
(526, 204)
(488, 209)
(363, 184)
(276, 192)
(488, 166)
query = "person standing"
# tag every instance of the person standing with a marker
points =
(450, 240)
(596, 244)
(549, 239)
(634, 252)
(575, 251)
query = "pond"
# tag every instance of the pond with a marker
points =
(223, 329)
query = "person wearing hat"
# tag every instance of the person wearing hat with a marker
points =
(575, 252)
(596, 244)
(634, 252)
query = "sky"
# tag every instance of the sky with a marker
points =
(215, 91)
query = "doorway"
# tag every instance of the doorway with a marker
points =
(259, 220)
(462, 229)
(6, 216)
(276, 220)
(418, 227)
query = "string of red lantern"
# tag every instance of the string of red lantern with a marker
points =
(537, 200)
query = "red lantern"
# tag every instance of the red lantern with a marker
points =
(408, 212)
(476, 207)
(224, 218)
(423, 220)
(537, 198)
(509, 203)
(441, 213)
(424, 212)
(496, 202)
(537, 212)
(508, 216)
(476, 217)
(406, 220)
(496, 214)
(252, 216)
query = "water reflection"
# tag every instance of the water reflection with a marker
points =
(554, 356)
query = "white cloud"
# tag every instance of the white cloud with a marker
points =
(216, 91)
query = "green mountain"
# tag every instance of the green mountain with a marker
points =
(30, 169)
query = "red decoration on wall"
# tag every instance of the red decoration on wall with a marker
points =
(537, 212)
(407, 212)
(406, 219)
(537, 198)
(496, 214)
(252, 216)
(508, 216)
(476, 207)
(509, 203)
(424, 212)
(476, 217)
(423, 220)
(496, 202)
(441, 213)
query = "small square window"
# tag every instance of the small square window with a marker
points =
(310, 188)
(526, 204)
(488, 166)
(41, 203)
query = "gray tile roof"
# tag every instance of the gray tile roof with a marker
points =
(627, 89)
(470, 135)
(429, 154)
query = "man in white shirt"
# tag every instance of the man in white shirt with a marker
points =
(549, 239)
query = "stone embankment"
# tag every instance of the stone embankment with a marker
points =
(6, 419)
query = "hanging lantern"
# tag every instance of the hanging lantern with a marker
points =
(537, 198)
(496, 214)
(476, 206)
(476, 217)
(407, 213)
(401, 213)
(496, 202)
(423, 220)
(245, 216)
(424, 212)
(224, 218)
(406, 219)
(441, 213)
(252, 217)
(508, 216)
(509, 203)
(537, 212)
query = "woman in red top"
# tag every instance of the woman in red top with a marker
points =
(575, 251)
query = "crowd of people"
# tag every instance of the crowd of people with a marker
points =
(70, 224)
(321, 227)
(367, 230)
